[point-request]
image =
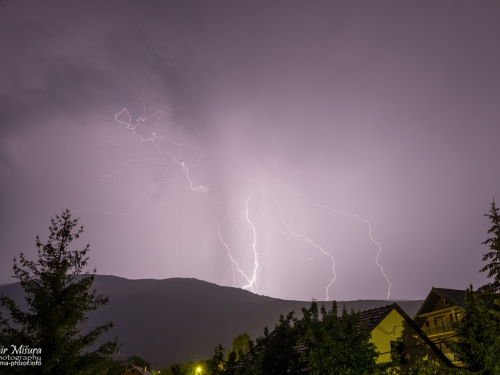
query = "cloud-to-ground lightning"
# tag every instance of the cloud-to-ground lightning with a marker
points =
(253, 281)
(229, 254)
(177, 160)
(369, 234)
(289, 231)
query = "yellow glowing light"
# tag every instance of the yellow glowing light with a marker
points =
(198, 369)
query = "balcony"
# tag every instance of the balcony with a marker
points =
(445, 327)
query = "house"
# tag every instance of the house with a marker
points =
(392, 330)
(135, 370)
(440, 309)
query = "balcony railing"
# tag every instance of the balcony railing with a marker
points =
(436, 330)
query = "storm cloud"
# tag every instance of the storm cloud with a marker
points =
(290, 134)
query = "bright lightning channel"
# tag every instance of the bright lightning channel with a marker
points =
(305, 238)
(253, 281)
(229, 254)
(369, 234)
(150, 134)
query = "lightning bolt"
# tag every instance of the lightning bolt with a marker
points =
(168, 154)
(305, 238)
(369, 234)
(253, 281)
(199, 189)
(153, 137)
(149, 134)
(229, 254)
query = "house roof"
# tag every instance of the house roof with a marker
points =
(371, 318)
(139, 370)
(453, 295)
(417, 329)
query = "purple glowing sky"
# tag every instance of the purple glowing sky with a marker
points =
(280, 122)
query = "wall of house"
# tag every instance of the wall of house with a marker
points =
(389, 329)
(437, 324)
(395, 328)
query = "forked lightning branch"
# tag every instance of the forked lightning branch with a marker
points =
(178, 161)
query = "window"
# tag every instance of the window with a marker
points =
(398, 351)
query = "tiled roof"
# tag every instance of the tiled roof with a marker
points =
(373, 316)
(453, 295)
(141, 370)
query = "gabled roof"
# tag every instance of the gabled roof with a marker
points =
(139, 370)
(455, 296)
(371, 318)
(374, 316)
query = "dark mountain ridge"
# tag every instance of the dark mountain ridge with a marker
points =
(174, 320)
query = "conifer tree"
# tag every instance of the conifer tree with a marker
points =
(58, 298)
(478, 342)
(493, 256)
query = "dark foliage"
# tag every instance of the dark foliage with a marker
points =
(336, 344)
(319, 343)
(58, 298)
(478, 334)
(493, 256)
(275, 351)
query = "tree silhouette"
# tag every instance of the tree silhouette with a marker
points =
(58, 298)
(336, 344)
(478, 342)
(493, 256)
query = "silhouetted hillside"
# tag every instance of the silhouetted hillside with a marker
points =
(173, 320)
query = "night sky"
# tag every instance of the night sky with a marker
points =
(299, 149)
